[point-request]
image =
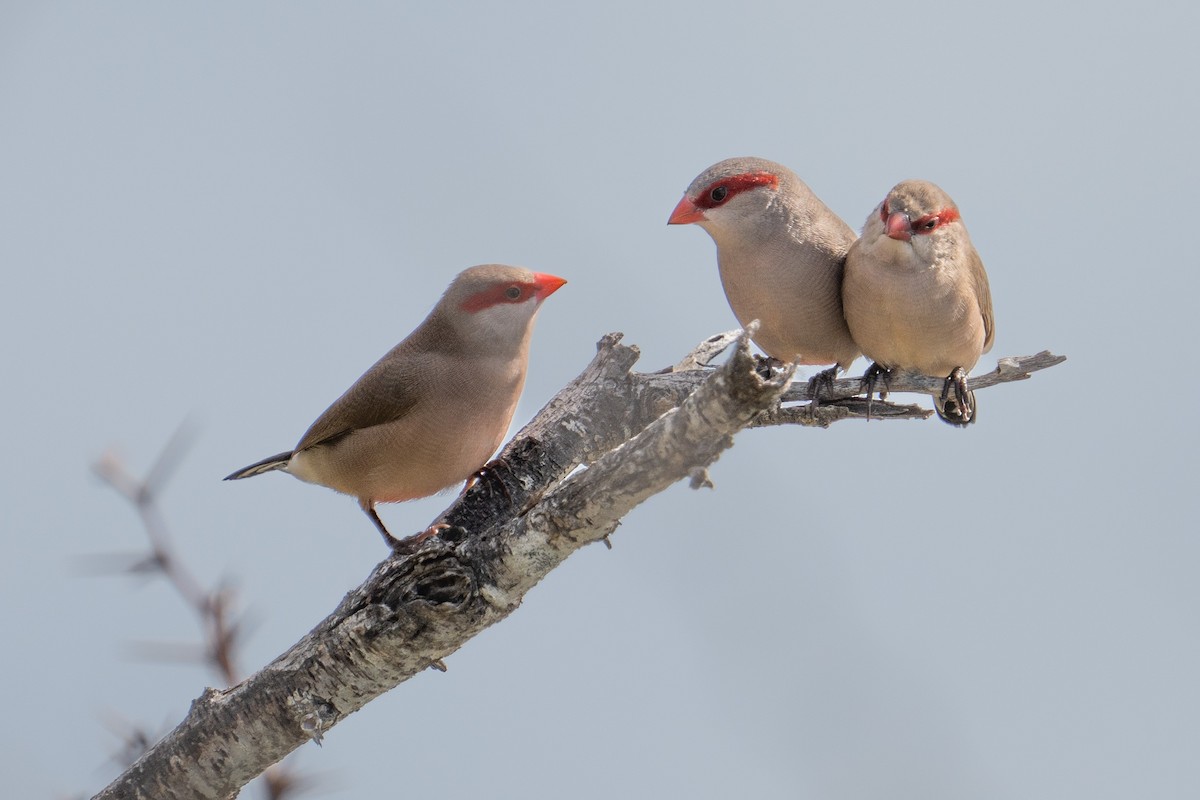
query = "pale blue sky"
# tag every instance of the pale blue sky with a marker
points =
(226, 212)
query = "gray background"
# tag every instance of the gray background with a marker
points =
(226, 212)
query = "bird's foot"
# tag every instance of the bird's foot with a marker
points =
(958, 409)
(491, 473)
(869, 380)
(410, 544)
(368, 508)
(766, 365)
(822, 380)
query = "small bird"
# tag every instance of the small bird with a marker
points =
(429, 413)
(916, 295)
(780, 252)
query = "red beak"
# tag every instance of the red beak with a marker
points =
(547, 284)
(899, 226)
(685, 213)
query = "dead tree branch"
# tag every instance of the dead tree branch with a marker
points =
(635, 433)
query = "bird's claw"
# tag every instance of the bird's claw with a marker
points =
(491, 471)
(410, 544)
(822, 380)
(959, 410)
(870, 378)
(766, 365)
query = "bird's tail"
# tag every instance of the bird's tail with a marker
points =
(259, 467)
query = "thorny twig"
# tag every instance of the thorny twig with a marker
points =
(215, 608)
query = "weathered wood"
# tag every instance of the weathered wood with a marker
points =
(635, 434)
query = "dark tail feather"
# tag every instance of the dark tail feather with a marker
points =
(949, 411)
(259, 467)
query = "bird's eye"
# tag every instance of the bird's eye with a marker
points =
(718, 193)
(513, 292)
(930, 224)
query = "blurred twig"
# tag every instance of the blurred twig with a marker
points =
(215, 608)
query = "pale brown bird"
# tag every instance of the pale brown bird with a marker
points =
(916, 294)
(429, 413)
(780, 253)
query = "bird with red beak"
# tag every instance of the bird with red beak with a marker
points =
(780, 254)
(432, 411)
(916, 295)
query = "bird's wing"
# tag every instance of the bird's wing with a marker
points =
(983, 295)
(385, 393)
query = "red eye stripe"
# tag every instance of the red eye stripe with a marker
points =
(496, 295)
(943, 217)
(733, 186)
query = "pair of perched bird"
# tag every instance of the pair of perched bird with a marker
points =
(911, 294)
